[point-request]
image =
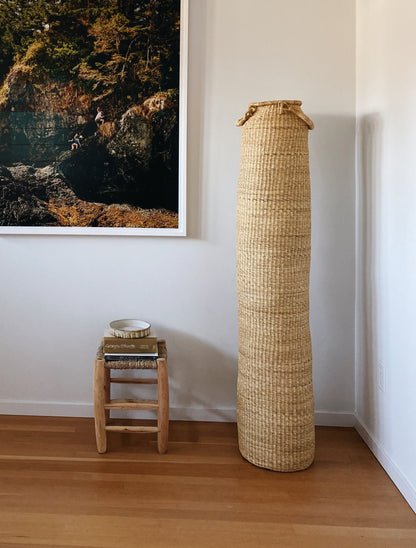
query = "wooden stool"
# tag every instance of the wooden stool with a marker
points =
(103, 402)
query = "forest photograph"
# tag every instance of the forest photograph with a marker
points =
(89, 113)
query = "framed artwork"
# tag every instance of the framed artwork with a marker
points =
(93, 117)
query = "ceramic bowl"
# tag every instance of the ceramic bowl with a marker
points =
(130, 329)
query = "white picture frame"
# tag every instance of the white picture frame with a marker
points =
(182, 168)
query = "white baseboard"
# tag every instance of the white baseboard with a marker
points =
(77, 409)
(399, 479)
(46, 409)
(334, 418)
(202, 414)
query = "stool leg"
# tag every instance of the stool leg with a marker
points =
(163, 403)
(107, 385)
(99, 411)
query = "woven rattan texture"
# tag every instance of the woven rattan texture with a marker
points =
(133, 364)
(275, 410)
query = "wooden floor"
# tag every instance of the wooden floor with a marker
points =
(55, 490)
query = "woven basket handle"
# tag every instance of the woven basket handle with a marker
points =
(251, 110)
(282, 107)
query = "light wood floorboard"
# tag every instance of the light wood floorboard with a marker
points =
(56, 491)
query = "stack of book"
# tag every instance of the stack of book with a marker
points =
(117, 348)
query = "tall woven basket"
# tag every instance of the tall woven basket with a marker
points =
(275, 411)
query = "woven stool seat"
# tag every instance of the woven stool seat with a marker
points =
(103, 403)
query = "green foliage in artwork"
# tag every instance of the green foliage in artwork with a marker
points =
(115, 49)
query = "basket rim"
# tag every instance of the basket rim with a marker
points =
(276, 102)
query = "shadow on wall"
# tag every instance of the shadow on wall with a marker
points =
(370, 234)
(332, 166)
(202, 380)
(202, 377)
(198, 35)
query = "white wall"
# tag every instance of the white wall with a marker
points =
(58, 293)
(386, 266)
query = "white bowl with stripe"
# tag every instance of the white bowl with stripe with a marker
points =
(130, 328)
